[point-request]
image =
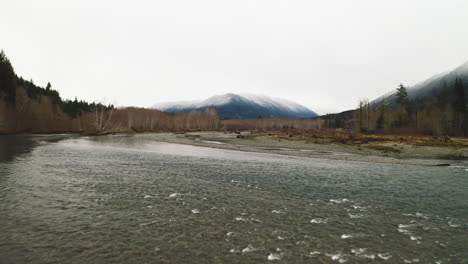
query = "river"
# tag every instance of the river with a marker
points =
(123, 199)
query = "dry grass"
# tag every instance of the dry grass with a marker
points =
(384, 149)
(340, 136)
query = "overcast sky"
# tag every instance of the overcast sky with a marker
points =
(324, 54)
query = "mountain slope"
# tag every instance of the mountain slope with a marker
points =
(433, 86)
(234, 106)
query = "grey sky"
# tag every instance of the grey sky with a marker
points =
(324, 54)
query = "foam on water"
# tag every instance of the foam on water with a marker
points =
(358, 251)
(451, 224)
(274, 256)
(248, 249)
(417, 215)
(255, 220)
(404, 226)
(319, 221)
(338, 257)
(353, 216)
(404, 229)
(172, 195)
(442, 245)
(148, 223)
(369, 256)
(411, 260)
(384, 256)
(338, 201)
(358, 207)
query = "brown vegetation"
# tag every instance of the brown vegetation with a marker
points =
(37, 115)
(429, 121)
(271, 124)
(133, 119)
(41, 115)
(383, 148)
(442, 113)
(373, 141)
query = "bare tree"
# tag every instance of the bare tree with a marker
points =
(103, 117)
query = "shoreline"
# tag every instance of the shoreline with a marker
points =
(389, 151)
(408, 154)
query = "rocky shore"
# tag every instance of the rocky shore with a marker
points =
(379, 152)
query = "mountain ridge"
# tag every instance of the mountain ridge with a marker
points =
(241, 106)
(432, 85)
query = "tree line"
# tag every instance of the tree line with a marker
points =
(135, 119)
(9, 81)
(28, 111)
(272, 123)
(443, 112)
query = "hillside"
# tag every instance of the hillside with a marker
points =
(245, 106)
(26, 107)
(435, 106)
(440, 85)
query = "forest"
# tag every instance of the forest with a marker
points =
(9, 82)
(441, 113)
(26, 107)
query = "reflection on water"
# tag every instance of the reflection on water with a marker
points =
(11, 146)
(121, 199)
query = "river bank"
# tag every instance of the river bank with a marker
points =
(389, 149)
(394, 152)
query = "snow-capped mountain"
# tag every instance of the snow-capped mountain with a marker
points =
(242, 106)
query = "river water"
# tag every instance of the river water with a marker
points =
(119, 199)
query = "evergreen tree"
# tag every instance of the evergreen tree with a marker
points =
(381, 120)
(459, 103)
(405, 108)
(443, 98)
(8, 79)
(402, 95)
